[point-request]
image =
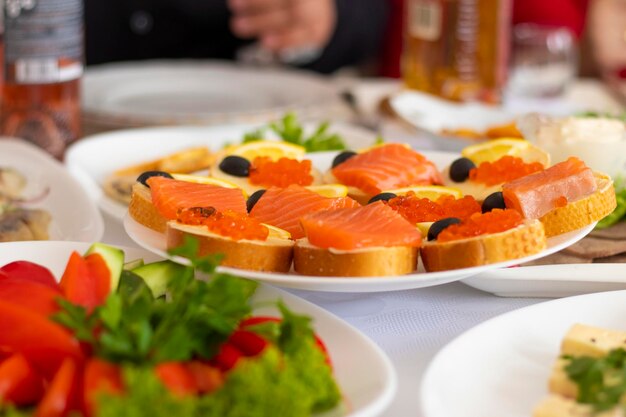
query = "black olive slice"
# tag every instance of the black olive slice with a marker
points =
(493, 201)
(438, 226)
(235, 166)
(253, 199)
(343, 157)
(382, 197)
(143, 178)
(460, 169)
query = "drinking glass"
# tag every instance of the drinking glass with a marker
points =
(544, 60)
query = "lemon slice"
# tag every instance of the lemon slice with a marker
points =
(330, 190)
(493, 150)
(277, 233)
(207, 180)
(269, 148)
(424, 227)
(431, 192)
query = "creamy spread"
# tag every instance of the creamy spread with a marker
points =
(600, 142)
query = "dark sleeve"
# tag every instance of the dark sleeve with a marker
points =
(357, 37)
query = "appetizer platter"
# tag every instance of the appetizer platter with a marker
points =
(525, 352)
(39, 200)
(73, 288)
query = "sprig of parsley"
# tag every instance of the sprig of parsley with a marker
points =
(601, 381)
(290, 130)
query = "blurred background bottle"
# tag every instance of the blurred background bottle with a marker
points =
(43, 63)
(457, 49)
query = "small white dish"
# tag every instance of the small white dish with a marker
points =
(501, 367)
(92, 159)
(74, 214)
(561, 280)
(368, 390)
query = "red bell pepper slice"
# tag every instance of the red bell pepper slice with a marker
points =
(30, 271)
(19, 382)
(177, 378)
(227, 357)
(30, 294)
(248, 343)
(61, 397)
(100, 377)
(86, 281)
(44, 343)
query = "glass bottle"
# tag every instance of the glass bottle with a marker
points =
(43, 63)
(457, 49)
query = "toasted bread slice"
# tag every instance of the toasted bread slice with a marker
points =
(377, 261)
(524, 240)
(271, 255)
(143, 211)
(184, 161)
(583, 212)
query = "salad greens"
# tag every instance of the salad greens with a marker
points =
(290, 130)
(620, 210)
(290, 377)
(621, 116)
(601, 381)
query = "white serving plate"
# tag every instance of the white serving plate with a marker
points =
(562, 280)
(74, 214)
(166, 92)
(501, 367)
(368, 390)
(92, 159)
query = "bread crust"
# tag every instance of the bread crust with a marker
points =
(527, 239)
(583, 212)
(378, 261)
(272, 255)
(143, 211)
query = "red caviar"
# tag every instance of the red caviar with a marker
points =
(495, 221)
(505, 169)
(228, 223)
(417, 210)
(281, 173)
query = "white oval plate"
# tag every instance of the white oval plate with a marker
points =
(501, 367)
(368, 390)
(92, 159)
(74, 215)
(197, 92)
(155, 242)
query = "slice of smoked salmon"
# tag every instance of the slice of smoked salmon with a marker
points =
(369, 226)
(536, 194)
(387, 167)
(168, 196)
(283, 207)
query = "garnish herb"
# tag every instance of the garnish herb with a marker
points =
(601, 381)
(290, 130)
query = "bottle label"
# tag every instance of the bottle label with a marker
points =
(425, 19)
(43, 41)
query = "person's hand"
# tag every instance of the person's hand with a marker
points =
(607, 26)
(284, 24)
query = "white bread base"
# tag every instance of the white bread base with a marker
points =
(143, 211)
(524, 240)
(476, 189)
(583, 212)
(373, 262)
(271, 255)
